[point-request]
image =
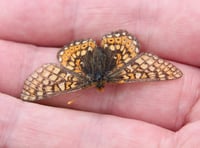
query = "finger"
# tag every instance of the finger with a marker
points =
(56, 23)
(163, 103)
(188, 136)
(30, 125)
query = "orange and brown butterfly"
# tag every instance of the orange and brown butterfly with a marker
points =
(84, 64)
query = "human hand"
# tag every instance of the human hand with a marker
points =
(149, 114)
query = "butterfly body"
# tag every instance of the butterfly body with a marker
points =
(97, 64)
(83, 63)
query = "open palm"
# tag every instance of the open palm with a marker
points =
(149, 114)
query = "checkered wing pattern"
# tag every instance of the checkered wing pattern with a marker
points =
(49, 80)
(71, 55)
(146, 67)
(124, 46)
(84, 64)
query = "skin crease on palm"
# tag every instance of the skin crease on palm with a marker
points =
(149, 114)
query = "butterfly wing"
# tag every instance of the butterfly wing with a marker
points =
(71, 56)
(145, 67)
(49, 80)
(133, 66)
(123, 45)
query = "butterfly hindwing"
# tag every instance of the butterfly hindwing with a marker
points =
(70, 56)
(124, 46)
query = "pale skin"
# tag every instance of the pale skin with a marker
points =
(149, 114)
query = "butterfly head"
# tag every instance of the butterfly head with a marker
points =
(98, 80)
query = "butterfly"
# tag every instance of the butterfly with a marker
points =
(84, 64)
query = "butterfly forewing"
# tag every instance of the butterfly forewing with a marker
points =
(49, 80)
(146, 67)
